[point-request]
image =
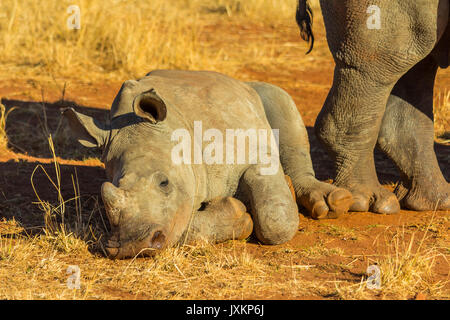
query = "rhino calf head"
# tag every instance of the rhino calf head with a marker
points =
(148, 199)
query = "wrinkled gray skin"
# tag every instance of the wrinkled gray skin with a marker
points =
(153, 203)
(382, 94)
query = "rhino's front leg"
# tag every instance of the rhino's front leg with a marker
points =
(222, 219)
(348, 126)
(274, 211)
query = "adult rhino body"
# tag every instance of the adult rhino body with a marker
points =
(382, 94)
(153, 202)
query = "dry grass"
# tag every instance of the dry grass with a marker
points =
(3, 136)
(122, 38)
(405, 270)
(3, 117)
(64, 219)
(442, 116)
(203, 271)
(227, 271)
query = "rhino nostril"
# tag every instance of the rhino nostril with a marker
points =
(158, 240)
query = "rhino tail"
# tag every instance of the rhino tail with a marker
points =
(304, 17)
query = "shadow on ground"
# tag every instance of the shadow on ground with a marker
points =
(29, 124)
(80, 191)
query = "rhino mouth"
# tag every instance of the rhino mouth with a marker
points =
(152, 241)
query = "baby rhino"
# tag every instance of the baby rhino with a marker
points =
(188, 152)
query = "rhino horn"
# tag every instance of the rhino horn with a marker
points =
(114, 200)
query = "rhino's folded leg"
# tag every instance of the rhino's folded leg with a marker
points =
(222, 219)
(322, 200)
(274, 212)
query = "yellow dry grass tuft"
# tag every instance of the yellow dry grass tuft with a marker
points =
(3, 137)
(3, 117)
(62, 232)
(406, 270)
(442, 116)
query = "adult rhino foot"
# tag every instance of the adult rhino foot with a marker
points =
(424, 198)
(374, 199)
(325, 201)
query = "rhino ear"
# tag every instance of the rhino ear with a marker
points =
(150, 106)
(86, 129)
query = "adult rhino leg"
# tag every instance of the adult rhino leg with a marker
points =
(222, 219)
(368, 64)
(348, 126)
(274, 212)
(321, 199)
(407, 137)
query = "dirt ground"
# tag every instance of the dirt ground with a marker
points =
(329, 258)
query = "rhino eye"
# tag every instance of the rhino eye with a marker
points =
(164, 183)
(165, 187)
